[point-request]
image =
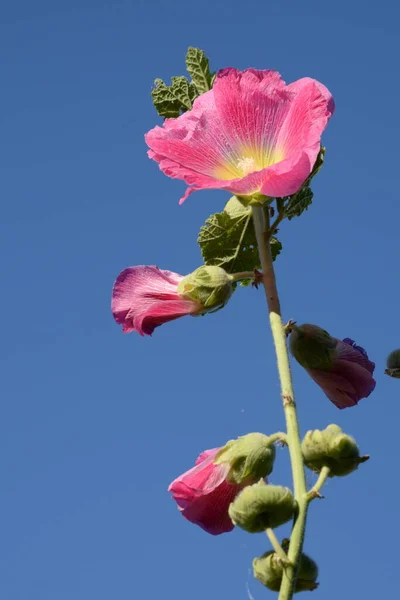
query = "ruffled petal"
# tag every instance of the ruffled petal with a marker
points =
(348, 350)
(144, 297)
(202, 479)
(160, 312)
(210, 512)
(345, 384)
(252, 106)
(310, 109)
(206, 454)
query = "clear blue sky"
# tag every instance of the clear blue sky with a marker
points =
(95, 424)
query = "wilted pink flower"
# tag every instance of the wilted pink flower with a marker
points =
(340, 367)
(203, 494)
(249, 134)
(145, 297)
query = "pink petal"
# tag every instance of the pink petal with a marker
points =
(345, 384)
(307, 118)
(252, 106)
(206, 454)
(210, 512)
(144, 297)
(347, 352)
(202, 479)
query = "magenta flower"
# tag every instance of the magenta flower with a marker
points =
(250, 134)
(145, 297)
(341, 368)
(203, 494)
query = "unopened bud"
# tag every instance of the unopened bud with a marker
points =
(333, 449)
(393, 364)
(210, 286)
(268, 569)
(260, 506)
(250, 458)
(311, 346)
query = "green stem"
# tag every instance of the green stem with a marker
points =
(278, 437)
(276, 546)
(262, 228)
(242, 275)
(315, 490)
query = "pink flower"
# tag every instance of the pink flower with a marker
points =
(203, 494)
(340, 367)
(250, 134)
(145, 297)
(350, 377)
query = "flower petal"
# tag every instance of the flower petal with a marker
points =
(307, 118)
(345, 384)
(252, 106)
(144, 297)
(210, 512)
(348, 350)
(201, 479)
(206, 454)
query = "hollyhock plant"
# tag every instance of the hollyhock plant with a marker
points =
(340, 367)
(249, 134)
(203, 494)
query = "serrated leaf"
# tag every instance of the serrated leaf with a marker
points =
(198, 67)
(228, 240)
(171, 100)
(184, 91)
(299, 203)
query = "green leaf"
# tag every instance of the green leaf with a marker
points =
(171, 100)
(198, 67)
(228, 240)
(299, 203)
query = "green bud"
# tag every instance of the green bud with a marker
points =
(268, 569)
(250, 457)
(211, 286)
(333, 449)
(260, 506)
(311, 346)
(393, 364)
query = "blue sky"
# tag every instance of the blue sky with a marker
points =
(95, 424)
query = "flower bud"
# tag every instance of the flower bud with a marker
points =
(333, 449)
(268, 569)
(311, 346)
(260, 506)
(250, 457)
(393, 364)
(210, 286)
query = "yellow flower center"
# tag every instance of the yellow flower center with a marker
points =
(247, 161)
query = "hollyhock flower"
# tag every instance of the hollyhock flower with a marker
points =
(145, 297)
(340, 367)
(249, 134)
(203, 494)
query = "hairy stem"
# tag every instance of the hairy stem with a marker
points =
(243, 275)
(315, 490)
(276, 546)
(262, 228)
